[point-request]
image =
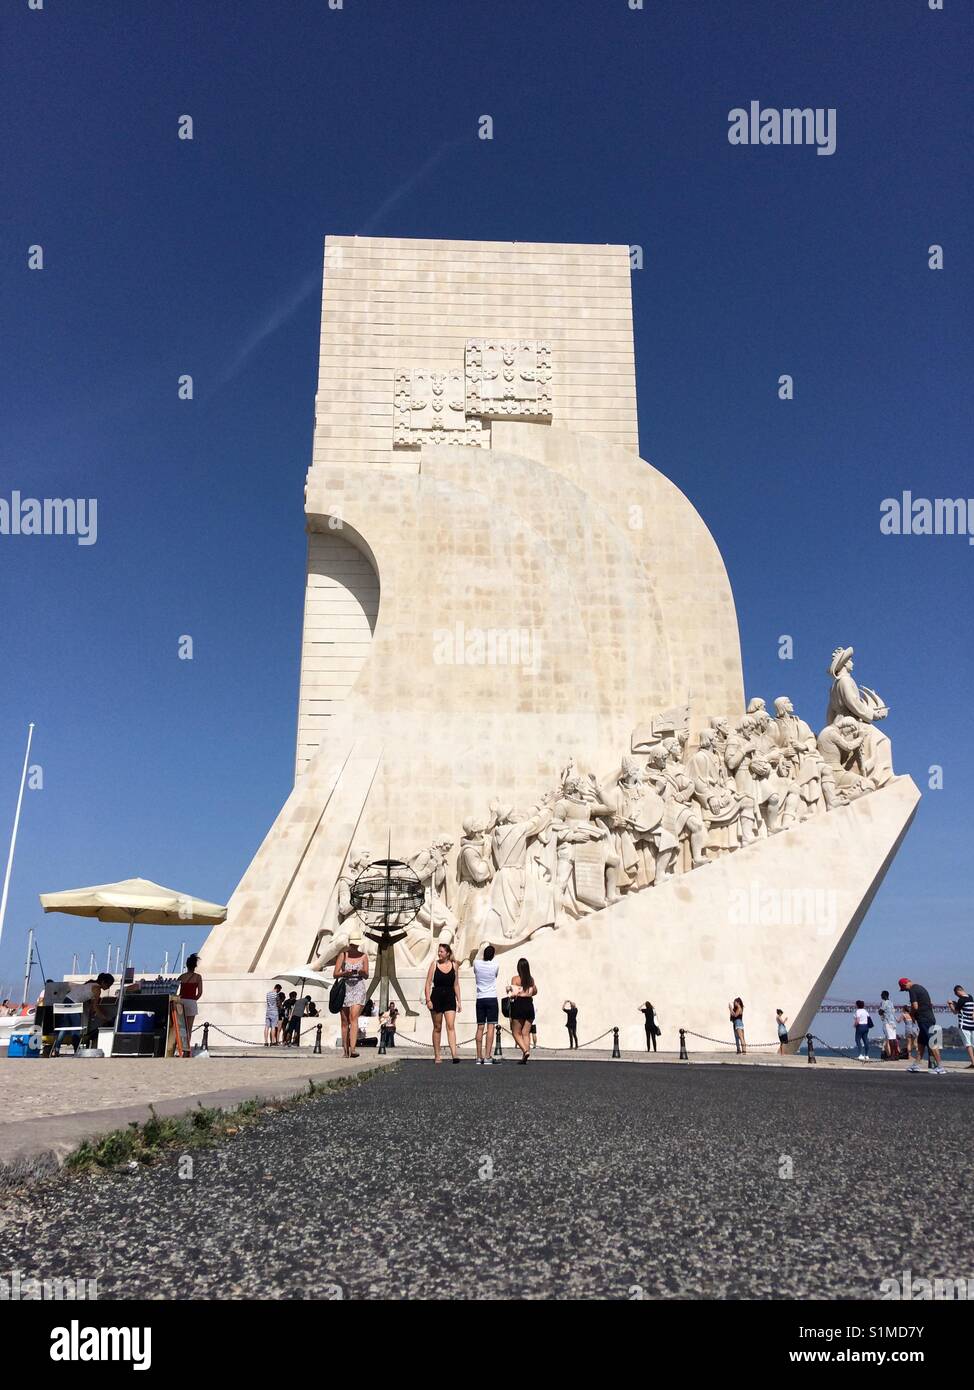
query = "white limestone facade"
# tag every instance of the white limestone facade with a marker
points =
(500, 591)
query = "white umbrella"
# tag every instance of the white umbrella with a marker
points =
(302, 974)
(134, 900)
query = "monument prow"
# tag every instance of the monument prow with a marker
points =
(521, 665)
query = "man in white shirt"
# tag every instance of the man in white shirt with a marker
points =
(485, 974)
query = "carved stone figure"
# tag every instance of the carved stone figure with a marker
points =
(474, 873)
(435, 922)
(588, 866)
(522, 891)
(842, 745)
(681, 818)
(751, 766)
(763, 731)
(720, 731)
(332, 937)
(814, 776)
(638, 835)
(863, 704)
(728, 817)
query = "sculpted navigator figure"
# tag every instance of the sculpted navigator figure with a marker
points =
(749, 762)
(814, 776)
(588, 866)
(846, 697)
(638, 835)
(842, 745)
(681, 818)
(435, 921)
(728, 817)
(474, 873)
(522, 891)
(333, 937)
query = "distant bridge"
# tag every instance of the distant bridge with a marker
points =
(836, 1007)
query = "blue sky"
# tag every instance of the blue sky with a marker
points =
(163, 257)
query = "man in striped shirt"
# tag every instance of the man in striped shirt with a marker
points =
(963, 1007)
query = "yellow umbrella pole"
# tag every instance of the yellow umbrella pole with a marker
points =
(121, 983)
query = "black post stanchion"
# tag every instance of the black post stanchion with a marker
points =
(615, 1043)
(812, 1059)
(317, 1046)
(684, 1056)
(498, 1055)
(381, 1052)
(206, 1037)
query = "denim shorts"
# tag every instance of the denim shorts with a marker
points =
(487, 1010)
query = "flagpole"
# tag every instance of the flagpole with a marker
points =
(28, 963)
(13, 837)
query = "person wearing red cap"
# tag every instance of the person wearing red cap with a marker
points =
(929, 1029)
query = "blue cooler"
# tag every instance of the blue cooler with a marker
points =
(24, 1045)
(137, 1021)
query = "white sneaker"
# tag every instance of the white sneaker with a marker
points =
(488, 1061)
(480, 1061)
(940, 1071)
(866, 1057)
(914, 1067)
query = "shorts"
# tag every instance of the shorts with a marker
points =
(890, 1031)
(738, 1023)
(190, 1008)
(931, 1036)
(522, 1009)
(968, 1035)
(443, 1001)
(487, 1010)
(271, 1019)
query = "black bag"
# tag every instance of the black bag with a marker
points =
(869, 1021)
(336, 997)
(506, 1006)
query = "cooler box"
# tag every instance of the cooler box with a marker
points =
(137, 1021)
(24, 1045)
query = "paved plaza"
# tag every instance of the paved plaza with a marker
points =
(562, 1179)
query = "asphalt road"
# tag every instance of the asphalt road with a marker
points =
(562, 1179)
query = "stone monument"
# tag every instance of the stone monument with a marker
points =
(521, 669)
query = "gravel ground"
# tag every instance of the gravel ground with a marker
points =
(562, 1179)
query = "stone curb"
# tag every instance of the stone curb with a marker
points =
(37, 1148)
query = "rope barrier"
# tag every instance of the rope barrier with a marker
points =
(539, 1047)
(722, 1042)
(853, 1051)
(244, 1042)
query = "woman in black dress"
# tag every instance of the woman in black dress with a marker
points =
(523, 990)
(570, 1010)
(652, 1031)
(443, 999)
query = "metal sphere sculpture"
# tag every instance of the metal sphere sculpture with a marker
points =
(386, 897)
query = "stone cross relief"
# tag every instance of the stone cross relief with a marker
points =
(503, 379)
